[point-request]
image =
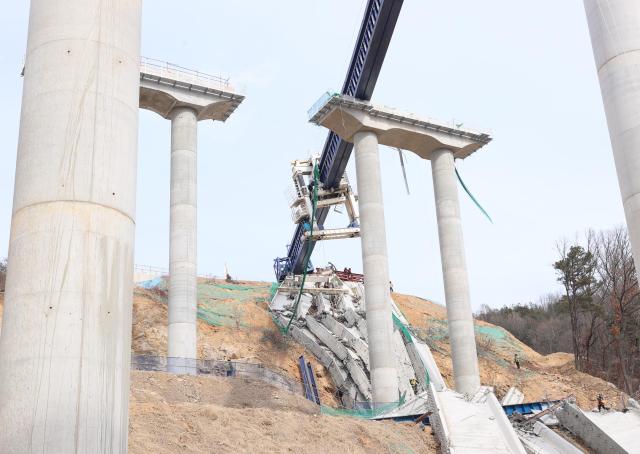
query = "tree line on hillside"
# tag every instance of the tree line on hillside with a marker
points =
(3, 273)
(596, 317)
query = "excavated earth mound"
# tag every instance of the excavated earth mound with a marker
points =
(170, 414)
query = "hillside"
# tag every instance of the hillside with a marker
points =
(200, 414)
(238, 327)
(540, 377)
(233, 324)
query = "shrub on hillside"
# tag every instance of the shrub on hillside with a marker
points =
(3, 273)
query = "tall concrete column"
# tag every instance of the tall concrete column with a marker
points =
(384, 379)
(454, 270)
(66, 331)
(615, 35)
(183, 288)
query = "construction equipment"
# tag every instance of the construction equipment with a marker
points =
(371, 47)
(308, 380)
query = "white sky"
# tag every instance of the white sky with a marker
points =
(523, 71)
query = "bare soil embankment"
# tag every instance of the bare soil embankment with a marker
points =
(170, 414)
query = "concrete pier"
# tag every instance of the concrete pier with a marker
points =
(365, 125)
(454, 272)
(184, 97)
(384, 380)
(66, 330)
(183, 288)
(614, 26)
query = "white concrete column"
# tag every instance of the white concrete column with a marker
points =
(384, 379)
(183, 288)
(454, 269)
(615, 35)
(66, 331)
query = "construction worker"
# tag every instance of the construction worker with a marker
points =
(230, 369)
(414, 385)
(601, 404)
(391, 286)
(516, 360)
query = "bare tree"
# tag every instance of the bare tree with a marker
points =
(619, 289)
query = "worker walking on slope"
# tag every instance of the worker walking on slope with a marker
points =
(601, 404)
(516, 360)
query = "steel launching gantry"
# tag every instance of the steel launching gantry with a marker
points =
(301, 202)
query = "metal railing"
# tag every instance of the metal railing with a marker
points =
(169, 70)
(159, 271)
(218, 368)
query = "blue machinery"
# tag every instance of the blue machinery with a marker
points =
(523, 409)
(377, 27)
(308, 381)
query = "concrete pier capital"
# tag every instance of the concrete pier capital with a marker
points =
(347, 116)
(163, 89)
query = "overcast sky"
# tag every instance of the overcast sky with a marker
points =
(522, 71)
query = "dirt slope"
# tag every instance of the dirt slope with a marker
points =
(170, 414)
(237, 327)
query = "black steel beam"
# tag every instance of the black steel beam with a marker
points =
(371, 47)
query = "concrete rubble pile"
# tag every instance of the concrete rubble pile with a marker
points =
(330, 322)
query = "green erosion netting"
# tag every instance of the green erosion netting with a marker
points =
(499, 336)
(405, 331)
(437, 330)
(366, 413)
(273, 290)
(409, 339)
(223, 304)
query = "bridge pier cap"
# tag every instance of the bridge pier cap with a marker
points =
(347, 116)
(351, 119)
(165, 87)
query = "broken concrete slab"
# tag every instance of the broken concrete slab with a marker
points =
(350, 339)
(577, 422)
(421, 373)
(360, 378)
(327, 338)
(542, 440)
(622, 427)
(305, 338)
(339, 375)
(513, 396)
